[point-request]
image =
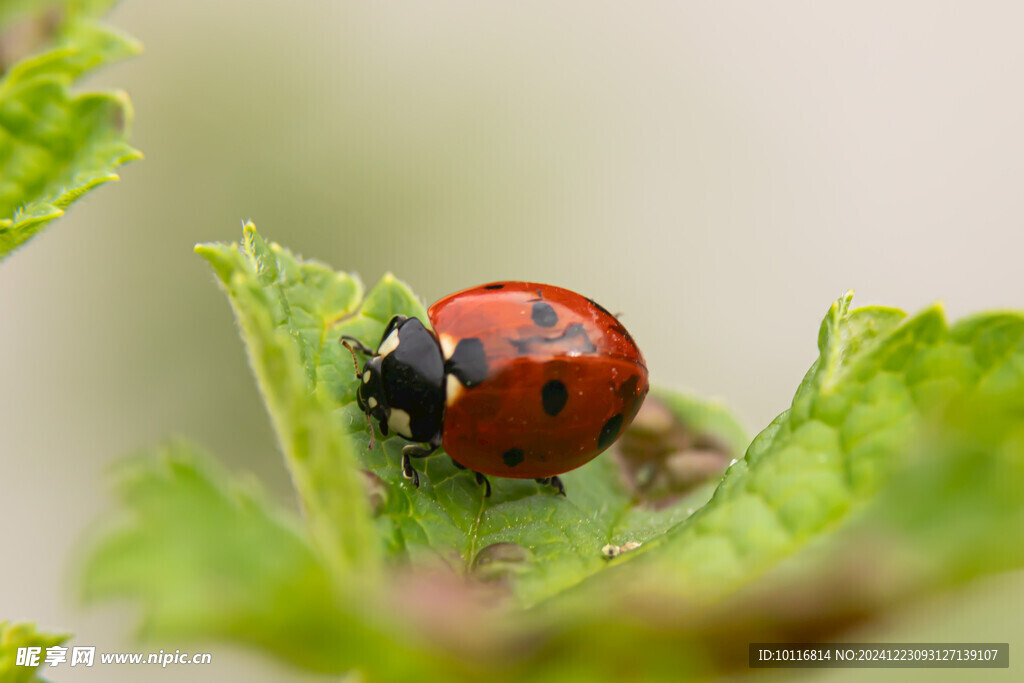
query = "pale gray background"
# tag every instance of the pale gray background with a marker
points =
(718, 172)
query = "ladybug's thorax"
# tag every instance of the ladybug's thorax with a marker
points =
(402, 386)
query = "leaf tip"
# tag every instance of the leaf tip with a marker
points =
(204, 249)
(132, 45)
(219, 256)
(838, 311)
(249, 230)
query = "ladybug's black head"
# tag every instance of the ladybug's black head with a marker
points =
(402, 385)
(370, 395)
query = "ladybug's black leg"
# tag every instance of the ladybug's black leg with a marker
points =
(408, 472)
(356, 344)
(557, 483)
(480, 479)
(417, 451)
(554, 482)
(414, 451)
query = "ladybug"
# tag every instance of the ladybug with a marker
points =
(516, 379)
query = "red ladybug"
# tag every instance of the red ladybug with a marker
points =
(517, 379)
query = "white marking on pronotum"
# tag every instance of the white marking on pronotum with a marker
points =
(372, 402)
(453, 390)
(448, 345)
(389, 344)
(366, 377)
(398, 420)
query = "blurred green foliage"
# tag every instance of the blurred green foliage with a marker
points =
(898, 471)
(226, 561)
(15, 636)
(55, 146)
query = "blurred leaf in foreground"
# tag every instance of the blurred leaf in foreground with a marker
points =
(14, 636)
(55, 146)
(212, 558)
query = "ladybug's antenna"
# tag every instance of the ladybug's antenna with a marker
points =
(355, 362)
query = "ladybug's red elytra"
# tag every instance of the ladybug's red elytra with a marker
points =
(516, 379)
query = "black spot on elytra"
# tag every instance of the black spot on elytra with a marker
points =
(609, 431)
(544, 315)
(627, 392)
(553, 396)
(574, 333)
(512, 457)
(494, 286)
(584, 342)
(468, 362)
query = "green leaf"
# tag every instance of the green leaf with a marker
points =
(932, 419)
(855, 421)
(286, 308)
(55, 147)
(213, 559)
(14, 636)
(905, 436)
(952, 513)
(960, 501)
(303, 308)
